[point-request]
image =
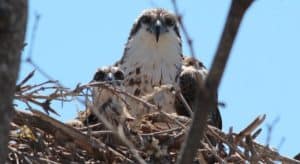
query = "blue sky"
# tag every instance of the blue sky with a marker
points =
(76, 37)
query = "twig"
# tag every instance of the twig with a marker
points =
(33, 34)
(48, 161)
(250, 128)
(89, 127)
(224, 138)
(186, 105)
(270, 129)
(260, 149)
(44, 73)
(162, 132)
(183, 28)
(212, 149)
(29, 76)
(173, 119)
(254, 156)
(99, 133)
(118, 90)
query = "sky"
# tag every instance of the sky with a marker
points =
(74, 38)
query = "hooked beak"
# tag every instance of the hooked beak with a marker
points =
(157, 29)
(110, 77)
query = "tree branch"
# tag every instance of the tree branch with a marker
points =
(13, 19)
(206, 93)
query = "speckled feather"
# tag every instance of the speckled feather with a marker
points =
(105, 101)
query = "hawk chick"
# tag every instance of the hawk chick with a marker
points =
(187, 82)
(109, 104)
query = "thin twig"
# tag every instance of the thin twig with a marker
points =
(186, 105)
(250, 128)
(33, 34)
(183, 28)
(162, 132)
(212, 149)
(270, 129)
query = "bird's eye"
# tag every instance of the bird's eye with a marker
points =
(146, 19)
(99, 76)
(169, 21)
(119, 75)
(200, 64)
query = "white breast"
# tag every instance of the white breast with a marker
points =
(157, 62)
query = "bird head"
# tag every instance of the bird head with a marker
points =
(112, 75)
(157, 22)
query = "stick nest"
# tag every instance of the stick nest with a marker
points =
(36, 137)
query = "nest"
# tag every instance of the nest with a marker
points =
(157, 137)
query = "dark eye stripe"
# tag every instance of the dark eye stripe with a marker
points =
(119, 75)
(146, 19)
(99, 76)
(169, 21)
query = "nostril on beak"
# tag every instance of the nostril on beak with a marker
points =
(157, 23)
(157, 27)
(109, 77)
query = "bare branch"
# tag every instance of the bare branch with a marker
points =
(270, 128)
(33, 34)
(250, 128)
(234, 18)
(183, 28)
(205, 93)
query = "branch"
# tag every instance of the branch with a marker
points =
(13, 20)
(205, 93)
(183, 28)
(237, 11)
(250, 128)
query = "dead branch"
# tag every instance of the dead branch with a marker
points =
(250, 128)
(205, 93)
